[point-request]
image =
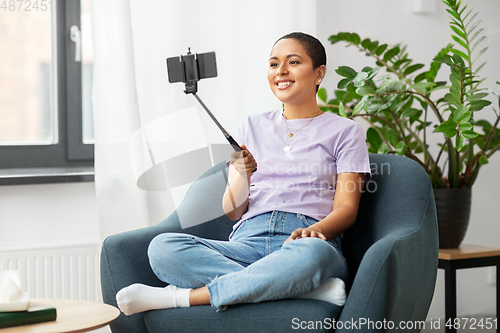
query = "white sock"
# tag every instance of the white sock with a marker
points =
(333, 291)
(139, 297)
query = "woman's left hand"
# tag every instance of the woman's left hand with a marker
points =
(305, 232)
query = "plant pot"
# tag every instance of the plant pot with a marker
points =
(453, 213)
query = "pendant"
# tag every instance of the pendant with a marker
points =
(290, 135)
(287, 149)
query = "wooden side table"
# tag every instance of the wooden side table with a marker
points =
(72, 316)
(465, 256)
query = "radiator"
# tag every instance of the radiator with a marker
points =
(69, 272)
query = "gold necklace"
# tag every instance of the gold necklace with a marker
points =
(290, 134)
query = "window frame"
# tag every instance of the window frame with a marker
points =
(69, 152)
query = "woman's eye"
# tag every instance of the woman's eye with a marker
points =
(273, 65)
(294, 62)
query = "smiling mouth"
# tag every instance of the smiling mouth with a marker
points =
(284, 84)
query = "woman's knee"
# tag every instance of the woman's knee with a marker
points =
(164, 248)
(316, 251)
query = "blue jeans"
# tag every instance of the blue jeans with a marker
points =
(254, 266)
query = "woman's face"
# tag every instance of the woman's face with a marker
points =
(291, 75)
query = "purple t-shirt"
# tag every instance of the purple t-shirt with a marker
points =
(301, 180)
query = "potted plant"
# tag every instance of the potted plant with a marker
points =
(398, 105)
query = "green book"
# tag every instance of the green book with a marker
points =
(35, 314)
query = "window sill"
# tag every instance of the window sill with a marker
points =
(25, 176)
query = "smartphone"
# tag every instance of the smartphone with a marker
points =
(191, 67)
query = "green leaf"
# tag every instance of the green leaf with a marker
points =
(373, 138)
(387, 85)
(366, 43)
(343, 83)
(444, 59)
(373, 73)
(420, 77)
(478, 105)
(474, 25)
(401, 148)
(334, 39)
(483, 160)
(459, 41)
(465, 127)
(365, 90)
(322, 94)
(379, 50)
(362, 105)
(479, 54)
(461, 114)
(384, 149)
(455, 80)
(459, 143)
(460, 53)
(409, 113)
(391, 53)
(373, 46)
(448, 128)
(476, 97)
(469, 134)
(450, 99)
(458, 32)
(360, 79)
(477, 43)
(346, 71)
(485, 125)
(476, 34)
(342, 110)
(422, 86)
(392, 137)
(412, 69)
(355, 38)
(400, 62)
(452, 13)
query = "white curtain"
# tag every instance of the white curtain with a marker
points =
(131, 93)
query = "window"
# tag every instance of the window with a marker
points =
(45, 85)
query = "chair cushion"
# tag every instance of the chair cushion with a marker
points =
(276, 316)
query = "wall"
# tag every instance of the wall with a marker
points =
(391, 21)
(48, 215)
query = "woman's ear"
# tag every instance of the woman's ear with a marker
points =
(320, 73)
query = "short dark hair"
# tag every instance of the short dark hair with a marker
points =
(314, 49)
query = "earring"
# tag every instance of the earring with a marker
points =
(319, 80)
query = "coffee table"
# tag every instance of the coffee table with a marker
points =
(465, 256)
(72, 316)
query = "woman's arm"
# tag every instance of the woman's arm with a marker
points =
(235, 199)
(345, 209)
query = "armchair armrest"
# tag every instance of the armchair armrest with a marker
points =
(393, 248)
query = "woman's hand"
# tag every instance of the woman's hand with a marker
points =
(243, 162)
(305, 232)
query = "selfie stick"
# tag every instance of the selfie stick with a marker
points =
(229, 138)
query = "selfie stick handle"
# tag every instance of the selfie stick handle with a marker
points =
(229, 138)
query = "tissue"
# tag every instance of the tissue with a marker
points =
(12, 297)
(10, 286)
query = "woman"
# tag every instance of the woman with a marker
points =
(293, 210)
